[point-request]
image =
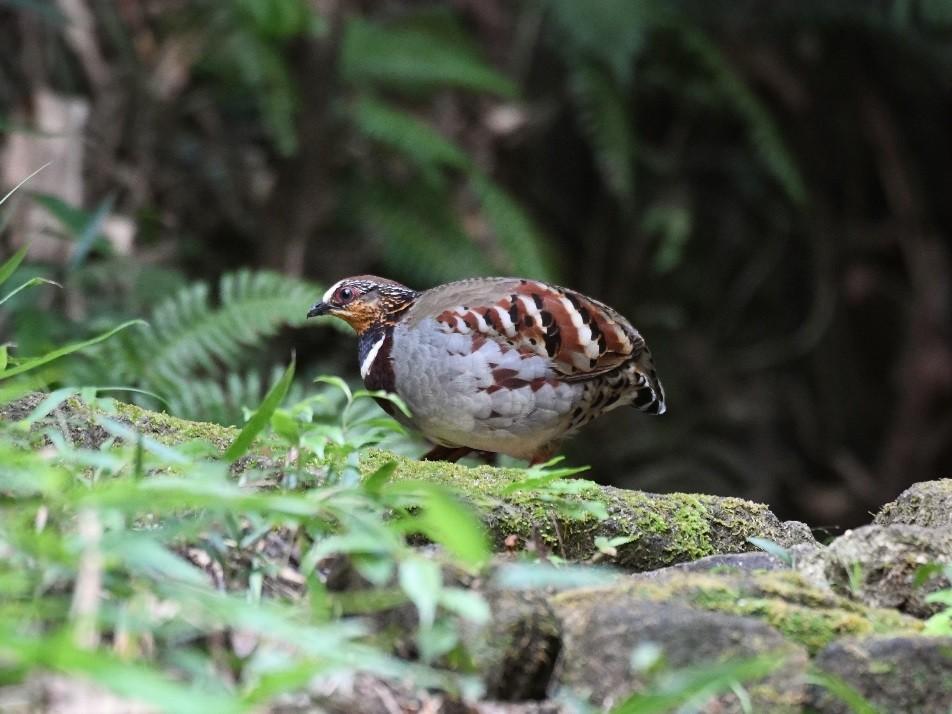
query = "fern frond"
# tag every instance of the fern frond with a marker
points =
(189, 334)
(415, 59)
(421, 237)
(411, 137)
(518, 237)
(764, 133)
(245, 46)
(223, 401)
(606, 122)
(612, 32)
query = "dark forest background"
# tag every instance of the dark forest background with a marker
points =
(762, 187)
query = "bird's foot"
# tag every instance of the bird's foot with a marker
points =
(446, 453)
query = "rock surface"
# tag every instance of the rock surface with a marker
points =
(806, 615)
(894, 674)
(927, 504)
(598, 642)
(879, 565)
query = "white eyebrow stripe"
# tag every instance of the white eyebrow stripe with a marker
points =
(331, 290)
(368, 362)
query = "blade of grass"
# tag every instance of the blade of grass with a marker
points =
(35, 362)
(10, 266)
(262, 415)
(28, 284)
(17, 187)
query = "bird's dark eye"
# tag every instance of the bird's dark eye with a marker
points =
(345, 295)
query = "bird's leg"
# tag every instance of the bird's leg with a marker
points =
(446, 453)
(544, 453)
(490, 458)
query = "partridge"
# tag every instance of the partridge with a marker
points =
(502, 365)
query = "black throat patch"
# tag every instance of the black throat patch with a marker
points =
(379, 373)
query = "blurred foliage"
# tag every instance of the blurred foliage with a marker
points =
(758, 186)
(129, 636)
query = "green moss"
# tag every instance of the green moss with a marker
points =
(172, 430)
(665, 528)
(806, 615)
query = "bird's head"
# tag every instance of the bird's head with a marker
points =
(364, 301)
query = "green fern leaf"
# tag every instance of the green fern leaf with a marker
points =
(224, 400)
(188, 336)
(523, 246)
(415, 59)
(609, 31)
(606, 122)
(763, 131)
(420, 235)
(411, 137)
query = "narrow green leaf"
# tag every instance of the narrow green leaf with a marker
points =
(466, 603)
(337, 382)
(837, 687)
(373, 483)
(17, 187)
(680, 686)
(35, 362)
(386, 396)
(90, 232)
(49, 403)
(262, 415)
(28, 284)
(10, 266)
(774, 549)
(422, 581)
(70, 217)
(445, 520)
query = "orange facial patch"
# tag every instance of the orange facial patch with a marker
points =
(358, 315)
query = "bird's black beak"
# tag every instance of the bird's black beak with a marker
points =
(321, 308)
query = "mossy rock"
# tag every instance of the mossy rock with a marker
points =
(665, 528)
(598, 642)
(809, 616)
(83, 422)
(893, 674)
(927, 504)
